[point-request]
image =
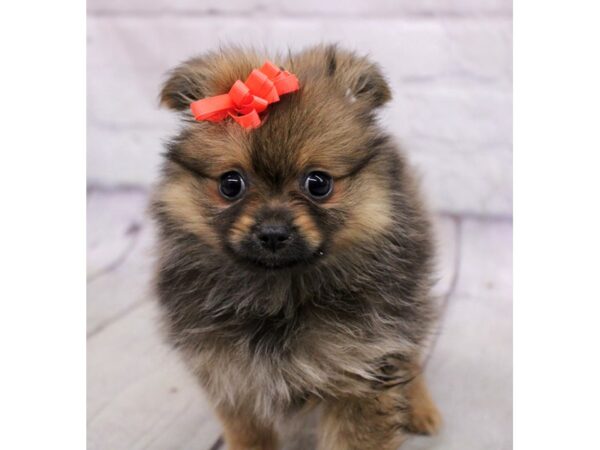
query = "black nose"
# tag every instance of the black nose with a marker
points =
(273, 237)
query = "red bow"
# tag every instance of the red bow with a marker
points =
(246, 100)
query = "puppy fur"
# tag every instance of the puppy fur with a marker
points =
(344, 325)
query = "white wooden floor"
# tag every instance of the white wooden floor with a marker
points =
(140, 397)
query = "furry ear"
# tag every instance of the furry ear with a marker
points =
(185, 84)
(372, 86)
(210, 74)
(360, 78)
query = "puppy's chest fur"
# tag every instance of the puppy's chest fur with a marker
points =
(275, 365)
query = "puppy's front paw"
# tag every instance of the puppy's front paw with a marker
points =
(424, 418)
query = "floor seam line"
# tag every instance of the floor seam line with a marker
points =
(122, 258)
(451, 290)
(111, 320)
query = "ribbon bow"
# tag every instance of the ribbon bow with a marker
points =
(245, 101)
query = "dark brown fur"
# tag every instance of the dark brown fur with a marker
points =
(343, 326)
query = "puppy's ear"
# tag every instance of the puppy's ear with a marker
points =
(186, 83)
(360, 79)
(210, 74)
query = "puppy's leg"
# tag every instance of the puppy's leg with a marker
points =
(245, 433)
(374, 423)
(424, 417)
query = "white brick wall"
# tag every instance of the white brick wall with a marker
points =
(449, 63)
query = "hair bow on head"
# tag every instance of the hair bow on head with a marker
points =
(245, 101)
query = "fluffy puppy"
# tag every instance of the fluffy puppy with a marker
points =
(295, 258)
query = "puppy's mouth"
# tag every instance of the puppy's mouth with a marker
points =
(264, 260)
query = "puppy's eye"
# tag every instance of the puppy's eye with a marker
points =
(232, 185)
(318, 184)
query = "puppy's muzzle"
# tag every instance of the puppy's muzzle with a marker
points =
(274, 241)
(273, 237)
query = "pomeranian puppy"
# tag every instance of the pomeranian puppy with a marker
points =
(295, 256)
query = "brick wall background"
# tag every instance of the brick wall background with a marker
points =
(449, 63)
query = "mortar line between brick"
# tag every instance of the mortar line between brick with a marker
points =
(116, 188)
(475, 216)
(275, 14)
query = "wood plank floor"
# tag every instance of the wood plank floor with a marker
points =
(140, 396)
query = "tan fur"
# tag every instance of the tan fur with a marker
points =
(240, 228)
(308, 228)
(179, 201)
(243, 433)
(424, 417)
(369, 216)
(359, 423)
(206, 147)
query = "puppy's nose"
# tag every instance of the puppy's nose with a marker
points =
(273, 237)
